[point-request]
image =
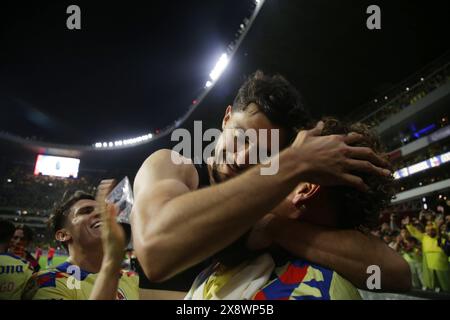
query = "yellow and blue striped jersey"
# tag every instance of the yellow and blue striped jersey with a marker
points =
(14, 275)
(62, 283)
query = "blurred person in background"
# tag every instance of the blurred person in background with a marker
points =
(87, 227)
(14, 271)
(409, 248)
(412, 253)
(444, 237)
(385, 228)
(50, 255)
(38, 253)
(130, 261)
(21, 240)
(435, 266)
(392, 223)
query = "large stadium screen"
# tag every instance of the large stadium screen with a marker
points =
(56, 166)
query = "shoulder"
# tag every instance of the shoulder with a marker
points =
(13, 266)
(168, 158)
(11, 258)
(49, 284)
(48, 278)
(166, 164)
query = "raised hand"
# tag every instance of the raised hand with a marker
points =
(113, 236)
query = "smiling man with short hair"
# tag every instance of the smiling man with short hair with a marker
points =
(96, 251)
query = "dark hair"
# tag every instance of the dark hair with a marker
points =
(27, 232)
(277, 99)
(361, 209)
(57, 219)
(6, 231)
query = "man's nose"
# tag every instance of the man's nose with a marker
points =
(96, 213)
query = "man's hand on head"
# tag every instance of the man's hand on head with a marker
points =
(332, 160)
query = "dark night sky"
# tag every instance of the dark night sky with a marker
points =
(134, 67)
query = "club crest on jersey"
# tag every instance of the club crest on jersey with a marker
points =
(121, 295)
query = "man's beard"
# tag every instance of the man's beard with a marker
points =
(237, 252)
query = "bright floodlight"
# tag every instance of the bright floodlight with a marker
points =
(219, 67)
(208, 84)
(98, 145)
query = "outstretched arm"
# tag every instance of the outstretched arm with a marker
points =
(348, 252)
(113, 240)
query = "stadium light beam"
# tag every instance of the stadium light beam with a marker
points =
(219, 67)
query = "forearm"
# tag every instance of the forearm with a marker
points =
(348, 252)
(107, 282)
(197, 224)
(414, 232)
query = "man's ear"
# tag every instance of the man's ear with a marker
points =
(227, 116)
(63, 235)
(304, 192)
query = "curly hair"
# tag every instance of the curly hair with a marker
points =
(280, 101)
(361, 209)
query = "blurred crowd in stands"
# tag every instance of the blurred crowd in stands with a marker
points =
(412, 182)
(412, 134)
(37, 192)
(422, 237)
(425, 154)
